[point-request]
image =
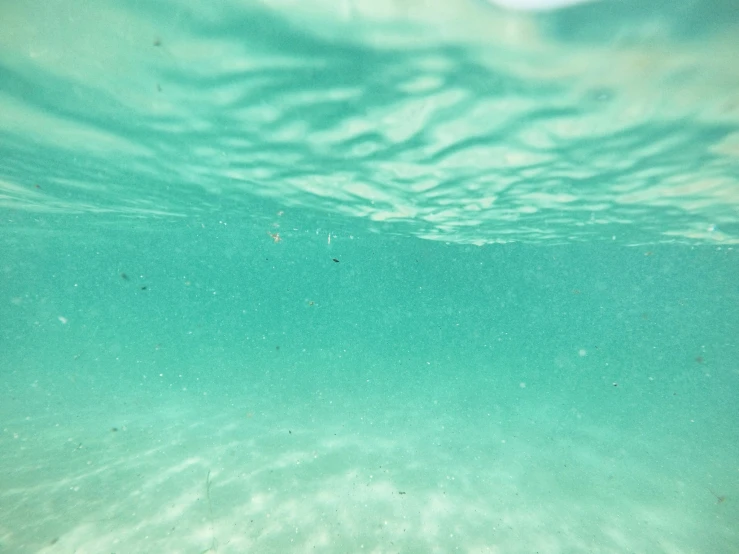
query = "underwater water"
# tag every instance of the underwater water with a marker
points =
(365, 276)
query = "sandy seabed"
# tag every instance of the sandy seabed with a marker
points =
(331, 474)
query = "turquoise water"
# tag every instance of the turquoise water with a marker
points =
(369, 277)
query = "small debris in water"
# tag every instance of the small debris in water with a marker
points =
(719, 499)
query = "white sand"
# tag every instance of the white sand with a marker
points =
(363, 477)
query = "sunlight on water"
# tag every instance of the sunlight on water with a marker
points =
(487, 126)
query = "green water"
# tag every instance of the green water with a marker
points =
(362, 277)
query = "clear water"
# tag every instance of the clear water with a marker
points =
(369, 277)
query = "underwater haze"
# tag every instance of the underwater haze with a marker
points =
(383, 276)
